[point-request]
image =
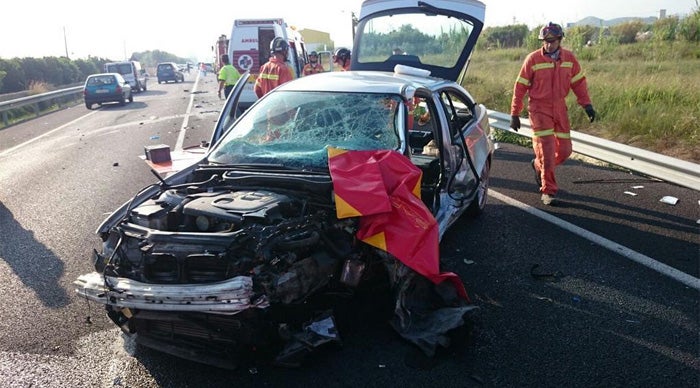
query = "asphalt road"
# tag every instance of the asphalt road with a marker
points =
(600, 290)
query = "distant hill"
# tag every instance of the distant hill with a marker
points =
(598, 22)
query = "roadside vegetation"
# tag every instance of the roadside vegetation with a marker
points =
(22, 77)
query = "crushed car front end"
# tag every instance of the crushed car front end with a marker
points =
(205, 270)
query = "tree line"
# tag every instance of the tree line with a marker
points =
(20, 74)
(667, 29)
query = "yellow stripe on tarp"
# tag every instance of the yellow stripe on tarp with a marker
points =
(416, 188)
(378, 241)
(344, 209)
(333, 152)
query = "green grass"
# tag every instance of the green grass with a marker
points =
(647, 95)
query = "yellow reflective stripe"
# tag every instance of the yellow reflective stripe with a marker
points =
(577, 77)
(273, 77)
(541, 66)
(523, 81)
(544, 132)
(567, 64)
(563, 135)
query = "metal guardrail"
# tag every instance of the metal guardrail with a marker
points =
(648, 163)
(34, 101)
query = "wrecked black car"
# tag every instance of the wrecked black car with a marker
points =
(326, 185)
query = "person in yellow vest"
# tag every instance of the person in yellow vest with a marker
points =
(228, 76)
(276, 71)
(314, 66)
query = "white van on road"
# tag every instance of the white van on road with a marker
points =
(132, 73)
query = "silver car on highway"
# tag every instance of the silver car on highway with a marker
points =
(326, 187)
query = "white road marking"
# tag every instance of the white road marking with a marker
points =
(183, 128)
(646, 261)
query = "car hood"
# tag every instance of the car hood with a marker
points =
(435, 35)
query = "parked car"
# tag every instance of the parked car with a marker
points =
(325, 187)
(169, 71)
(106, 87)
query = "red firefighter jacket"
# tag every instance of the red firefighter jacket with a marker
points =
(547, 82)
(272, 74)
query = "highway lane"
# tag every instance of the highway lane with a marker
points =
(555, 308)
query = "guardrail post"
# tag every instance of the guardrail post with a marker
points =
(4, 118)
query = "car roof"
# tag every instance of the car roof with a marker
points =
(104, 74)
(375, 14)
(401, 82)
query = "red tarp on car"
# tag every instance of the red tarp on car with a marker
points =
(383, 188)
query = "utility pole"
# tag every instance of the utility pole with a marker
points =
(65, 41)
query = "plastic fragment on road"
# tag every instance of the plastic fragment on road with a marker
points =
(468, 261)
(631, 193)
(669, 200)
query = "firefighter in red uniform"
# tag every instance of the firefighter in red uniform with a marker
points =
(341, 57)
(314, 66)
(546, 76)
(274, 72)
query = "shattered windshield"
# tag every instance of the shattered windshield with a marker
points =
(295, 128)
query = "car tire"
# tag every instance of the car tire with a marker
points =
(88, 105)
(476, 207)
(122, 101)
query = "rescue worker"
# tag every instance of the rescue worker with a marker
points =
(228, 76)
(314, 66)
(275, 71)
(342, 57)
(546, 77)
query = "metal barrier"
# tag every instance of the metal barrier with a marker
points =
(35, 100)
(648, 163)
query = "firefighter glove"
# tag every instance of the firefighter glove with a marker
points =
(590, 112)
(515, 123)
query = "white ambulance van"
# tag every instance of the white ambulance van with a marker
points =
(249, 48)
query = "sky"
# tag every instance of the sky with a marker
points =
(114, 30)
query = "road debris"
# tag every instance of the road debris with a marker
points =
(669, 200)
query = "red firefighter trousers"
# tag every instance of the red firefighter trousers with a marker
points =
(551, 142)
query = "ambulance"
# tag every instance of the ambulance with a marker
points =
(249, 48)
